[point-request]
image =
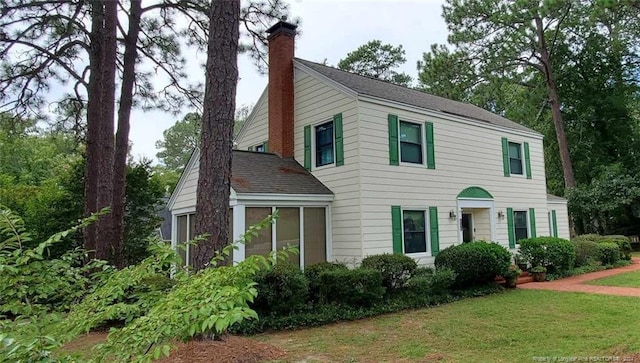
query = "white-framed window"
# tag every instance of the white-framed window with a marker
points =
(324, 144)
(516, 158)
(415, 238)
(186, 226)
(412, 143)
(521, 224)
(259, 148)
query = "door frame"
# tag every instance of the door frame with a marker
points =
(476, 203)
(471, 225)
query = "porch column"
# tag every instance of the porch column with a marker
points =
(238, 230)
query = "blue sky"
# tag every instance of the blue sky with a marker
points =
(329, 29)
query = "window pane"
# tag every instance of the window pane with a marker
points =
(324, 144)
(182, 236)
(514, 150)
(314, 236)
(410, 153)
(288, 231)
(410, 132)
(414, 232)
(515, 158)
(515, 166)
(192, 231)
(520, 225)
(260, 148)
(260, 245)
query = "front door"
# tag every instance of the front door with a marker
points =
(467, 227)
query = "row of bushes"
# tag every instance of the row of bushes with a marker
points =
(559, 256)
(326, 292)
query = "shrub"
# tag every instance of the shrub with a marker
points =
(556, 254)
(437, 283)
(281, 289)
(313, 273)
(474, 263)
(609, 252)
(423, 271)
(587, 252)
(623, 242)
(357, 287)
(394, 268)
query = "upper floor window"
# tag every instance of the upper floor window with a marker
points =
(411, 144)
(324, 142)
(260, 148)
(515, 158)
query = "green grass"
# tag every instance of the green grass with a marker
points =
(510, 327)
(629, 279)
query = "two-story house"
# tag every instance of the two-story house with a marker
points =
(358, 166)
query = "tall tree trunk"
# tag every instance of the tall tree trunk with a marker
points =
(565, 157)
(212, 206)
(124, 115)
(106, 249)
(94, 118)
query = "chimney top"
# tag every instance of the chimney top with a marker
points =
(281, 27)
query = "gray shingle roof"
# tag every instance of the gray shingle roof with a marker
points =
(256, 172)
(385, 90)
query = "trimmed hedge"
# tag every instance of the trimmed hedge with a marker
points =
(425, 287)
(587, 252)
(556, 254)
(623, 242)
(396, 269)
(474, 263)
(281, 290)
(357, 287)
(609, 252)
(313, 272)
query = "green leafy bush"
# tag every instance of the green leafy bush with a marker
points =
(587, 252)
(556, 254)
(427, 287)
(474, 263)
(281, 290)
(394, 268)
(357, 287)
(312, 273)
(609, 252)
(623, 242)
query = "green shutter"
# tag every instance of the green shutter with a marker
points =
(307, 147)
(511, 229)
(435, 235)
(265, 146)
(431, 154)
(554, 221)
(505, 156)
(396, 228)
(337, 130)
(527, 160)
(393, 140)
(532, 222)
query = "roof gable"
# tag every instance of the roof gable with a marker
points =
(366, 86)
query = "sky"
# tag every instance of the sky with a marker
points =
(329, 30)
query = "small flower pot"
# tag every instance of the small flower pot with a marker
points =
(511, 283)
(540, 276)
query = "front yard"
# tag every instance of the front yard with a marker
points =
(518, 326)
(629, 279)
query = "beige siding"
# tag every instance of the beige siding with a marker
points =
(257, 131)
(315, 103)
(562, 218)
(186, 197)
(466, 155)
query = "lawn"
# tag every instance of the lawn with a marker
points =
(511, 327)
(629, 279)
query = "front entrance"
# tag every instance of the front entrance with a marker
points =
(467, 227)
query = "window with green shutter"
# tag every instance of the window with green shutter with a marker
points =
(518, 225)
(415, 231)
(516, 158)
(324, 144)
(411, 142)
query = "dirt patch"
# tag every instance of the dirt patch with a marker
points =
(230, 349)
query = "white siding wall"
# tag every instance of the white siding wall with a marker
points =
(186, 197)
(316, 103)
(466, 155)
(562, 218)
(258, 131)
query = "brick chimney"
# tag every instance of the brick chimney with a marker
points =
(281, 48)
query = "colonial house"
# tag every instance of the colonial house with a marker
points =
(357, 166)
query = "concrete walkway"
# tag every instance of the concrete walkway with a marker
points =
(577, 283)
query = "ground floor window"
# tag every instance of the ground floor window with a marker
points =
(520, 225)
(186, 232)
(414, 231)
(302, 227)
